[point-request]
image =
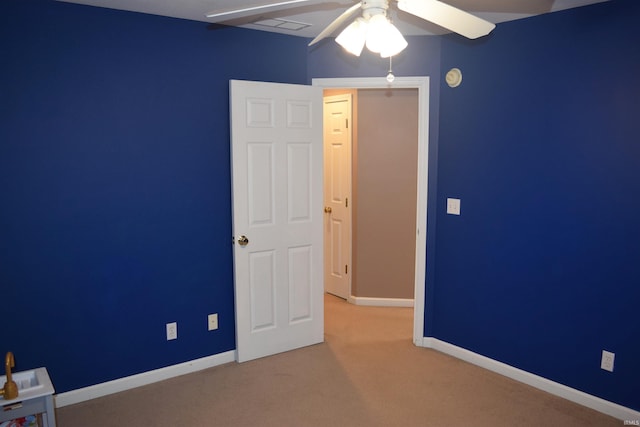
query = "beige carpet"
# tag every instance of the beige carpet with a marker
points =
(367, 373)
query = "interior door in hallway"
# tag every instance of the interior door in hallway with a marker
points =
(337, 194)
(276, 148)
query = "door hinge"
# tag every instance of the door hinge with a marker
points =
(346, 123)
(346, 202)
(346, 269)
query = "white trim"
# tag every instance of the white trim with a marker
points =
(381, 302)
(122, 384)
(422, 84)
(606, 407)
(423, 342)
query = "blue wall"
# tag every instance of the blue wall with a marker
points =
(115, 213)
(541, 143)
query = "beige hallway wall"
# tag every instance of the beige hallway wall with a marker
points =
(384, 192)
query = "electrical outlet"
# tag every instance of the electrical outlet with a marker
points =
(453, 206)
(212, 322)
(607, 360)
(172, 331)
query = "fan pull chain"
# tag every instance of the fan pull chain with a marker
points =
(390, 76)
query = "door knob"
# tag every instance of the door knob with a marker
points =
(243, 241)
(327, 209)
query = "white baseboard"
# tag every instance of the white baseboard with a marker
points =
(381, 302)
(121, 384)
(613, 409)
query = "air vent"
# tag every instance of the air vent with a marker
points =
(282, 24)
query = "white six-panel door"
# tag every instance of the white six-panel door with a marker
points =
(276, 137)
(337, 194)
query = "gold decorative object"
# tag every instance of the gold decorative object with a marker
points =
(10, 389)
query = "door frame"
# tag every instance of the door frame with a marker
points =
(421, 83)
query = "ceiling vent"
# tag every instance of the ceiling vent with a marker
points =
(282, 24)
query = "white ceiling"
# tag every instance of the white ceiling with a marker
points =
(318, 14)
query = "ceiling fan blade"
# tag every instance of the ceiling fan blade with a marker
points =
(226, 14)
(336, 23)
(448, 17)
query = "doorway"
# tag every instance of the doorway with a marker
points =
(421, 84)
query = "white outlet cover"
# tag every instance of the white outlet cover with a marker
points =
(172, 331)
(453, 206)
(607, 360)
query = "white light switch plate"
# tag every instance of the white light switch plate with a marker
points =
(453, 206)
(212, 322)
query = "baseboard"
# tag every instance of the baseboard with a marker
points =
(381, 302)
(121, 384)
(613, 409)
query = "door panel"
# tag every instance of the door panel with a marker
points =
(262, 288)
(276, 133)
(300, 284)
(299, 184)
(260, 175)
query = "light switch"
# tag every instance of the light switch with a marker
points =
(453, 206)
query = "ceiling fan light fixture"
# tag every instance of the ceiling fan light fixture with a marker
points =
(394, 42)
(353, 38)
(377, 32)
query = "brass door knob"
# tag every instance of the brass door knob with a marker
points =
(243, 241)
(327, 209)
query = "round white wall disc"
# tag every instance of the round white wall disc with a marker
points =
(454, 77)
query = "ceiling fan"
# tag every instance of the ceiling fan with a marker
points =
(373, 28)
